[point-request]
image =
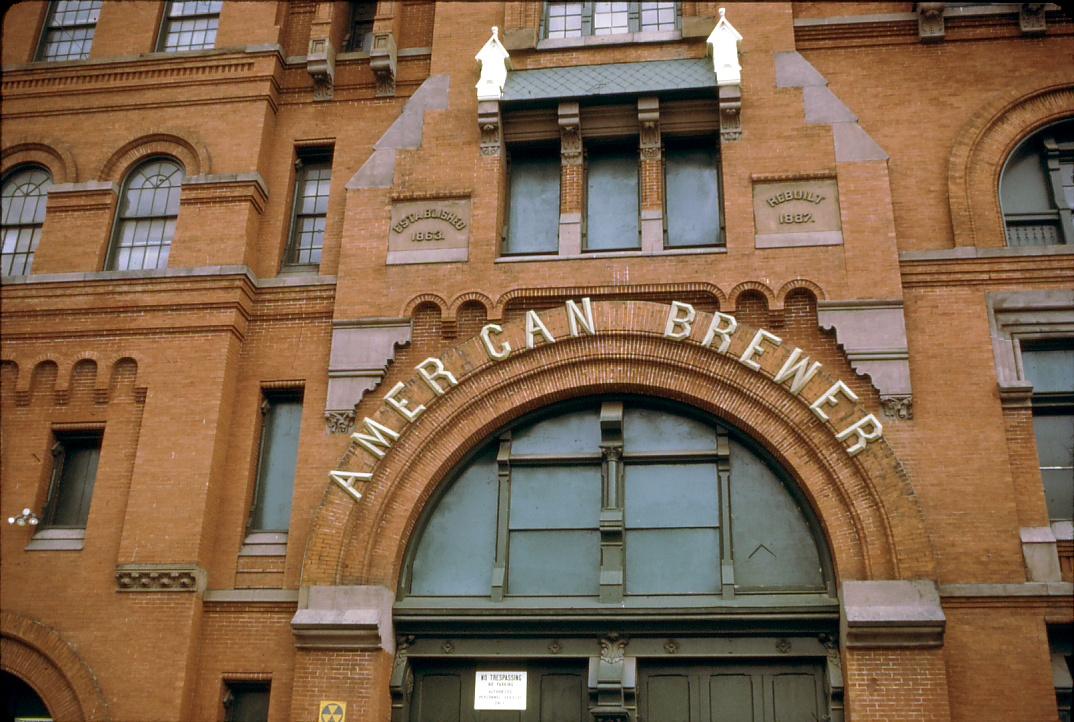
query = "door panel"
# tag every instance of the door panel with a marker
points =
(732, 698)
(668, 698)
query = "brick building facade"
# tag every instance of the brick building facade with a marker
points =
(341, 368)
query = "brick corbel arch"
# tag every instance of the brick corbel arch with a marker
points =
(982, 148)
(48, 153)
(37, 654)
(866, 504)
(186, 148)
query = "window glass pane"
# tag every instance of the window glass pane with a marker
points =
(652, 430)
(564, 20)
(276, 472)
(1049, 370)
(311, 208)
(773, 544)
(249, 702)
(533, 218)
(693, 197)
(555, 497)
(24, 197)
(1055, 447)
(671, 495)
(673, 561)
(70, 31)
(575, 432)
(610, 18)
(545, 563)
(612, 199)
(458, 546)
(71, 497)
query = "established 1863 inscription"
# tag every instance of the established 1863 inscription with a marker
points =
(429, 231)
(797, 213)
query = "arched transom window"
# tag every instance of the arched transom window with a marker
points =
(148, 210)
(1037, 188)
(25, 193)
(615, 501)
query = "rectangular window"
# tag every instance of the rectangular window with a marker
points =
(612, 198)
(692, 193)
(313, 180)
(360, 37)
(281, 415)
(191, 25)
(69, 30)
(74, 471)
(533, 207)
(578, 19)
(247, 701)
(1050, 367)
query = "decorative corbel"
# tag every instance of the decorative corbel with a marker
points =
(649, 124)
(614, 697)
(491, 126)
(321, 65)
(495, 62)
(401, 685)
(570, 134)
(723, 41)
(930, 25)
(383, 62)
(1032, 19)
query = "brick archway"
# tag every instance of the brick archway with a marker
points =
(38, 655)
(866, 504)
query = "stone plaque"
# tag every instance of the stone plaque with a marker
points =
(797, 213)
(500, 690)
(429, 231)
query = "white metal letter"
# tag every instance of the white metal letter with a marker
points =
(723, 325)
(754, 349)
(378, 430)
(675, 321)
(828, 398)
(439, 373)
(505, 348)
(535, 325)
(799, 366)
(346, 480)
(575, 316)
(864, 437)
(402, 405)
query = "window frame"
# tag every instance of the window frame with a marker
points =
(1053, 156)
(505, 236)
(721, 230)
(306, 157)
(634, 26)
(268, 397)
(232, 685)
(1047, 403)
(350, 45)
(38, 228)
(118, 219)
(167, 18)
(61, 449)
(622, 142)
(43, 42)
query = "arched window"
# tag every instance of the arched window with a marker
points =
(1037, 188)
(148, 209)
(613, 501)
(25, 192)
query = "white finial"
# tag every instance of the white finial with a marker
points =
(724, 41)
(495, 62)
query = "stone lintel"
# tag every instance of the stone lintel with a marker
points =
(895, 613)
(874, 336)
(344, 617)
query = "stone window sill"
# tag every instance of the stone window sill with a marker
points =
(585, 41)
(264, 544)
(530, 258)
(970, 252)
(57, 540)
(1063, 530)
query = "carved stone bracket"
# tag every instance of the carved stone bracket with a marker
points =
(402, 681)
(649, 123)
(160, 578)
(491, 126)
(730, 112)
(930, 25)
(614, 697)
(383, 62)
(321, 65)
(339, 422)
(898, 407)
(570, 134)
(1032, 19)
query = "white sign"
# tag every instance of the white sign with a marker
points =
(500, 690)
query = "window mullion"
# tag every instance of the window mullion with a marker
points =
(612, 522)
(503, 474)
(587, 18)
(723, 472)
(634, 16)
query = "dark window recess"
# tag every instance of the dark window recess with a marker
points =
(533, 206)
(577, 19)
(19, 701)
(1037, 188)
(246, 701)
(360, 37)
(692, 190)
(191, 25)
(69, 30)
(25, 193)
(281, 420)
(612, 198)
(74, 471)
(313, 180)
(1050, 367)
(148, 212)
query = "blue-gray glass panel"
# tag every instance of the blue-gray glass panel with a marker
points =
(612, 199)
(1055, 448)
(1049, 370)
(279, 458)
(555, 497)
(650, 430)
(533, 216)
(549, 563)
(576, 432)
(673, 561)
(693, 194)
(458, 546)
(772, 542)
(671, 495)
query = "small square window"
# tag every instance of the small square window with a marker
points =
(246, 701)
(74, 472)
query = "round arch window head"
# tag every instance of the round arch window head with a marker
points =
(617, 501)
(1037, 187)
(148, 211)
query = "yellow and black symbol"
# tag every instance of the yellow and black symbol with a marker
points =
(333, 712)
